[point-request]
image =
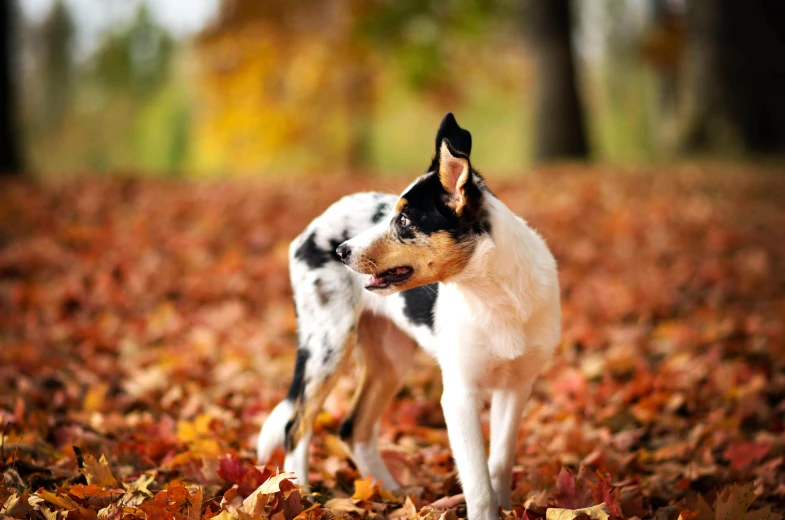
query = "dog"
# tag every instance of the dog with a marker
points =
(446, 266)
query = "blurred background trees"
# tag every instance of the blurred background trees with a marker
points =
(10, 159)
(269, 88)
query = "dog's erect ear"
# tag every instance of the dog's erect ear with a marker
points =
(454, 174)
(460, 139)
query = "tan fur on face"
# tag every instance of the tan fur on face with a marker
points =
(434, 258)
(400, 205)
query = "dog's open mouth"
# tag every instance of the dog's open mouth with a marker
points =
(389, 277)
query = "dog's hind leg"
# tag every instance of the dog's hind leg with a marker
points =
(384, 357)
(326, 304)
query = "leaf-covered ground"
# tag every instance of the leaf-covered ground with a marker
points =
(146, 330)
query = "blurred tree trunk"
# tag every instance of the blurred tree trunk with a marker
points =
(662, 46)
(737, 85)
(559, 130)
(10, 160)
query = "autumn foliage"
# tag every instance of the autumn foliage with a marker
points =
(147, 330)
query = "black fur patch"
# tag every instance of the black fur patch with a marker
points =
(418, 304)
(321, 293)
(312, 254)
(328, 349)
(460, 140)
(287, 435)
(298, 381)
(346, 429)
(429, 212)
(381, 210)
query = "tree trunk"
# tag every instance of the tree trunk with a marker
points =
(10, 160)
(737, 66)
(559, 131)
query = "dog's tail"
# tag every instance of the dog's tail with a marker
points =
(273, 430)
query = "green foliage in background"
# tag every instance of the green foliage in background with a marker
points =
(137, 102)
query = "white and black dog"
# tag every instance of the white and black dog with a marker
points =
(446, 266)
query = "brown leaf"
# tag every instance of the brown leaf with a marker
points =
(733, 502)
(98, 471)
(17, 506)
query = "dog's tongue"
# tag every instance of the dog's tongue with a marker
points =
(377, 281)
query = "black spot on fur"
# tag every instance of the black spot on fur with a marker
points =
(346, 429)
(298, 381)
(312, 254)
(328, 349)
(321, 293)
(418, 304)
(381, 210)
(287, 435)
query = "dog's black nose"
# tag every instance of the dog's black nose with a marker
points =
(343, 252)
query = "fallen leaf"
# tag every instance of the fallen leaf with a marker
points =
(598, 512)
(17, 506)
(98, 471)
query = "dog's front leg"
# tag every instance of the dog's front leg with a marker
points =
(506, 410)
(461, 405)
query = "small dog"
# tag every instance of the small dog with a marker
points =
(446, 266)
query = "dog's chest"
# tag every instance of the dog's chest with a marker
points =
(478, 334)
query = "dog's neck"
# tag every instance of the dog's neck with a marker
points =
(504, 273)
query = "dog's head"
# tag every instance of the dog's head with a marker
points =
(435, 226)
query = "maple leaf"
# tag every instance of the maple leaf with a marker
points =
(603, 492)
(571, 494)
(734, 502)
(98, 471)
(243, 474)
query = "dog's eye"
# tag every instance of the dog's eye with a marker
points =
(404, 220)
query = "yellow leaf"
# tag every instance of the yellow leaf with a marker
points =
(387, 495)
(98, 472)
(598, 512)
(59, 500)
(188, 431)
(94, 398)
(365, 489)
(409, 508)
